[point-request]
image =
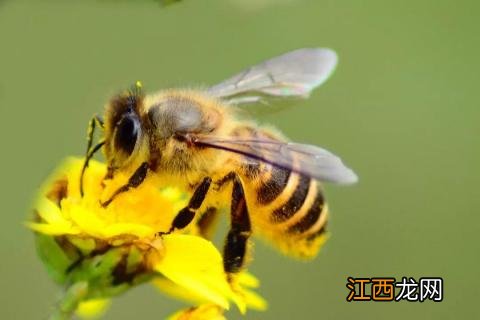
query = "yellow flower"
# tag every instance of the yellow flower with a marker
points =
(105, 251)
(203, 312)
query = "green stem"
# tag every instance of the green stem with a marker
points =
(70, 301)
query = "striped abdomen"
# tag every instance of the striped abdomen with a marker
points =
(288, 208)
(285, 207)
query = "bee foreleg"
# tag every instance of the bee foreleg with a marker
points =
(135, 180)
(186, 215)
(96, 120)
(240, 230)
(89, 156)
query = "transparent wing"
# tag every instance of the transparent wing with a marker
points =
(292, 75)
(305, 159)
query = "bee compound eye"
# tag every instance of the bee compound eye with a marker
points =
(126, 135)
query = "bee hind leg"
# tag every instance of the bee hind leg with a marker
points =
(186, 215)
(240, 230)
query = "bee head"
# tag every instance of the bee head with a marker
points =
(123, 129)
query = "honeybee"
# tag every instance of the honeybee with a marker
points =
(196, 140)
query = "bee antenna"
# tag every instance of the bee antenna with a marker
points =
(134, 93)
(136, 89)
(138, 86)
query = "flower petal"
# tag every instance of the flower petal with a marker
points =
(248, 280)
(195, 263)
(49, 211)
(93, 308)
(203, 312)
(254, 300)
(53, 229)
(176, 291)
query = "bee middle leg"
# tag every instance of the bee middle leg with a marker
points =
(186, 215)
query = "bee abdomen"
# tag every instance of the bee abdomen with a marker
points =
(302, 217)
(274, 186)
(313, 215)
(306, 231)
(288, 209)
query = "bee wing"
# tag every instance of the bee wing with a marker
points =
(305, 159)
(292, 75)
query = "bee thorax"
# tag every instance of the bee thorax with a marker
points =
(173, 116)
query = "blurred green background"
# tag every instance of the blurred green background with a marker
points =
(402, 109)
